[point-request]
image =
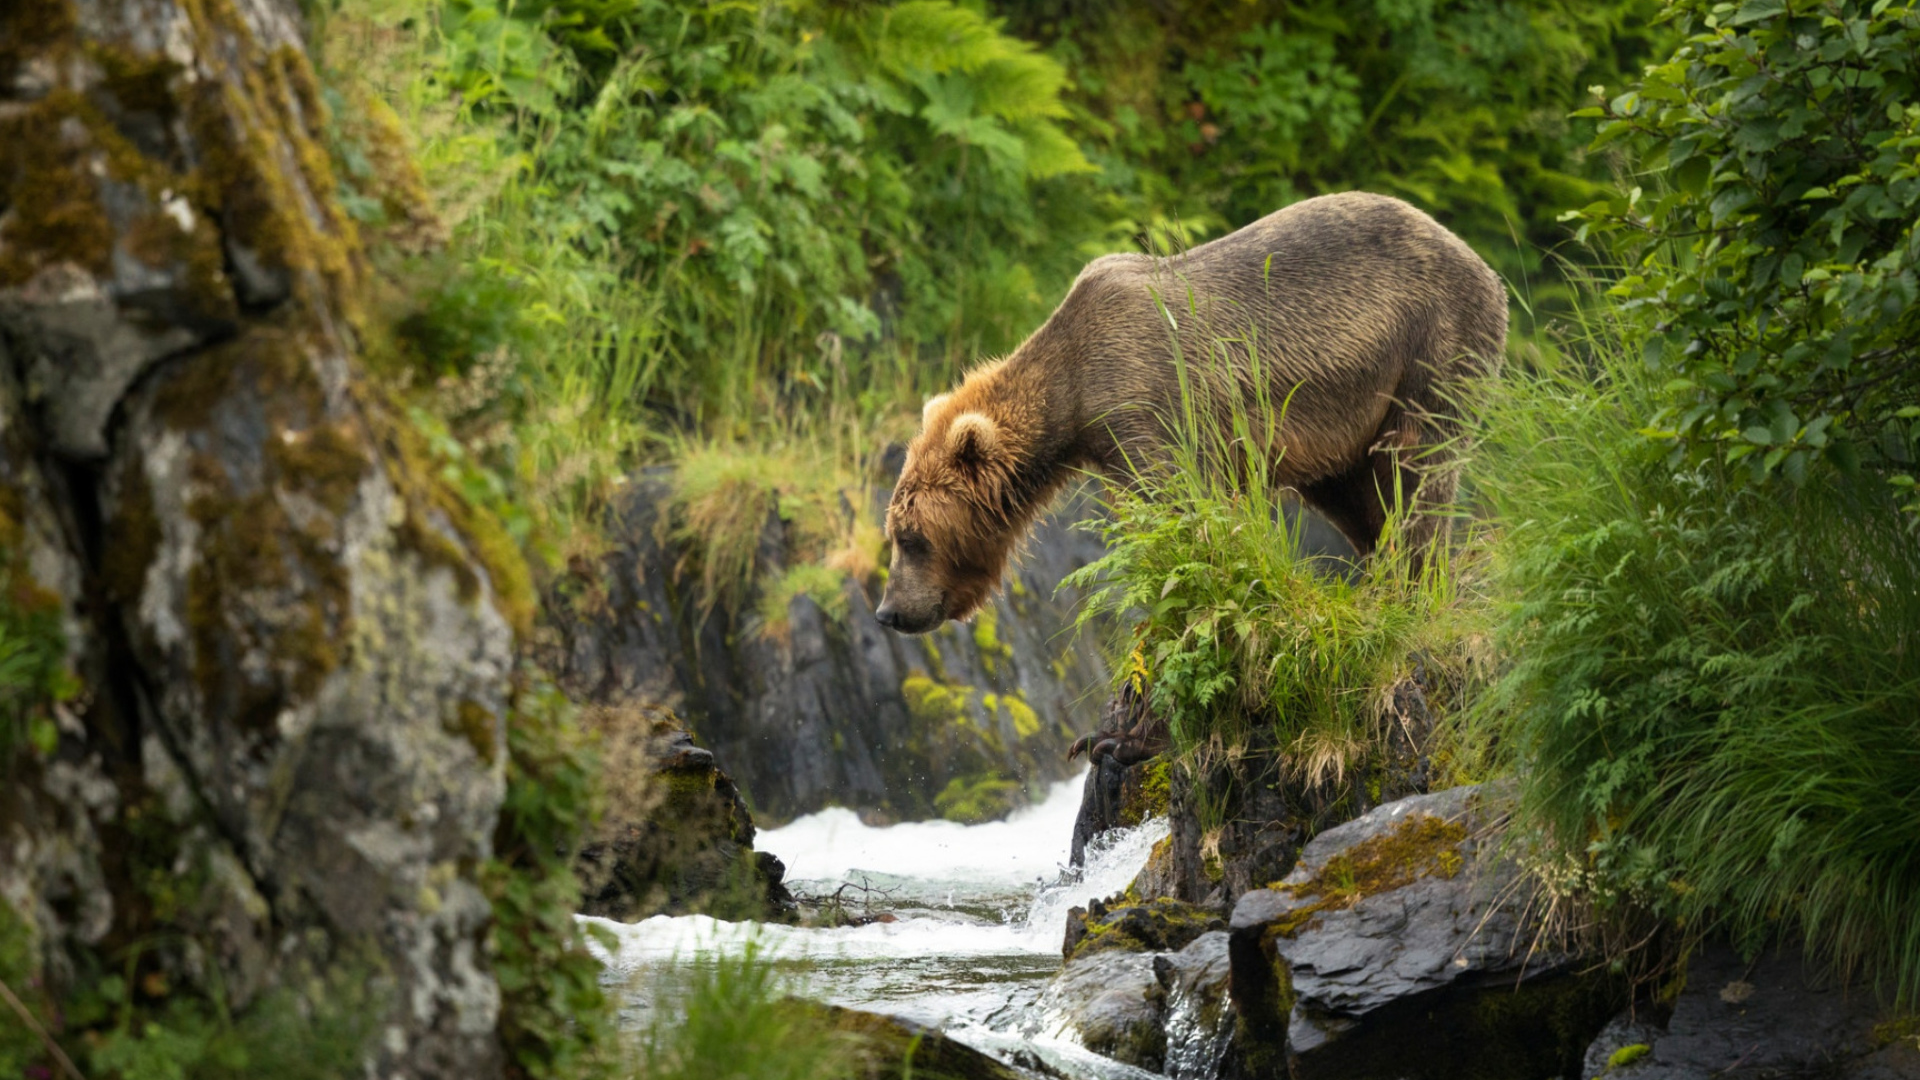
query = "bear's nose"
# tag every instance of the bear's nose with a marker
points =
(887, 615)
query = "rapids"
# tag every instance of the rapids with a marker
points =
(980, 909)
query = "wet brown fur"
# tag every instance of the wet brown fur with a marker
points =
(1363, 309)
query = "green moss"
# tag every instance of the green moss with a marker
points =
(250, 545)
(1900, 1029)
(933, 702)
(1026, 722)
(1148, 792)
(476, 724)
(1627, 1055)
(986, 625)
(263, 167)
(33, 28)
(1160, 925)
(326, 463)
(54, 211)
(1421, 846)
(979, 797)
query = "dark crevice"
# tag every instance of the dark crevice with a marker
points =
(127, 699)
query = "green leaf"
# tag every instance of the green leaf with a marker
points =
(1752, 11)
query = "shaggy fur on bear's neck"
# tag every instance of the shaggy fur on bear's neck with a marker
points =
(1361, 313)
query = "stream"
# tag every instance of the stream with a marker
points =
(980, 913)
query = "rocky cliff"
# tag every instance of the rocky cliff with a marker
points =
(959, 723)
(261, 765)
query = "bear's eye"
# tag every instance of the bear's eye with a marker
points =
(912, 545)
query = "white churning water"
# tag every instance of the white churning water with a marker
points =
(981, 911)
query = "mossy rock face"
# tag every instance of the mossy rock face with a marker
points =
(967, 723)
(1401, 946)
(159, 197)
(297, 652)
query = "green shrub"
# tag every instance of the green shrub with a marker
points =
(1710, 697)
(1204, 115)
(1771, 232)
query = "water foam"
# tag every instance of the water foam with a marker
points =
(926, 863)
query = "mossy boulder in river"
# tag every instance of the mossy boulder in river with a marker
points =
(677, 839)
(1401, 946)
(1158, 925)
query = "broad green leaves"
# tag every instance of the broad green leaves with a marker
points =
(1776, 244)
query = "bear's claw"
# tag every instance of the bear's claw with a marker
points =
(1080, 746)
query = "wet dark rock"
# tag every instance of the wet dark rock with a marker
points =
(680, 841)
(1266, 811)
(1158, 925)
(1773, 1018)
(1165, 1011)
(1117, 795)
(1400, 946)
(1113, 1004)
(838, 711)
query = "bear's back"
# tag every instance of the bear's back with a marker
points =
(1359, 300)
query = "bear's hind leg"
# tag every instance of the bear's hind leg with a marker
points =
(1348, 502)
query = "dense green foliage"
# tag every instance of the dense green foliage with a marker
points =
(790, 180)
(1211, 114)
(1774, 235)
(1711, 687)
(838, 204)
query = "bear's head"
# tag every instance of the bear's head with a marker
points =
(954, 518)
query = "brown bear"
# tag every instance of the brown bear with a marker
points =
(1358, 312)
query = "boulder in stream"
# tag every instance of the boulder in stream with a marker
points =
(1158, 925)
(1163, 1011)
(1400, 948)
(678, 838)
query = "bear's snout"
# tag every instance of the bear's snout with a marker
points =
(896, 618)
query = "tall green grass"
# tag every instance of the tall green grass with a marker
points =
(1711, 697)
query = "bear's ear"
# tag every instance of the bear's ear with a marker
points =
(973, 437)
(933, 404)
